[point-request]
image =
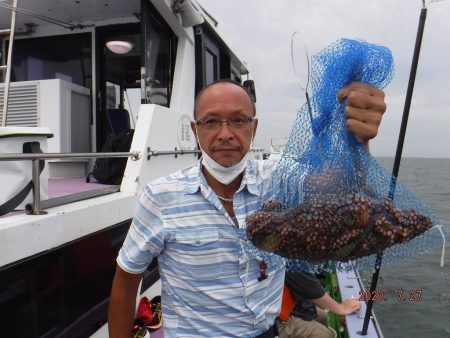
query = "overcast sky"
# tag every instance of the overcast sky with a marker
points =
(260, 32)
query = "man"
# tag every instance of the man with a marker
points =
(190, 220)
(307, 318)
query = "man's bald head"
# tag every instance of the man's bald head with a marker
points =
(221, 82)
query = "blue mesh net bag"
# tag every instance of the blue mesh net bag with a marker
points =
(329, 203)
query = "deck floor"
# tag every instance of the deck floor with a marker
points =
(65, 186)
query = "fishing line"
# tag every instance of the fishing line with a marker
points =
(302, 81)
(443, 248)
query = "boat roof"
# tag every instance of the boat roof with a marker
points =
(74, 12)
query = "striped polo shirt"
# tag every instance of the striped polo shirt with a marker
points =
(210, 284)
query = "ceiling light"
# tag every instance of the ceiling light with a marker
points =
(119, 47)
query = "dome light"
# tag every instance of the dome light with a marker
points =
(119, 47)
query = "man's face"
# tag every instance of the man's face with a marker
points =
(225, 101)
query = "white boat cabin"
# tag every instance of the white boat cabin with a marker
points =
(82, 70)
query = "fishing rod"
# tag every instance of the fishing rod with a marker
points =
(398, 153)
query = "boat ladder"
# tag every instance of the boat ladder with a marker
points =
(7, 66)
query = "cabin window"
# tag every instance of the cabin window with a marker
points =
(63, 292)
(211, 66)
(212, 59)
(62, 57)
(234, 72)
(159, 57)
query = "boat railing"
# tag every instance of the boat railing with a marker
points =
(175, 152)
(351, 286)
(35, 208)
(375, 322)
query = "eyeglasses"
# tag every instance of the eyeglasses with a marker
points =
(213, 123)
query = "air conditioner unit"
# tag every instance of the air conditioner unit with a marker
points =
(57, 104)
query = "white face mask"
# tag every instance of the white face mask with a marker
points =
(224, 175)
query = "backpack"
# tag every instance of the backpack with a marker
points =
(110, 170)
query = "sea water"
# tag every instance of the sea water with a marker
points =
(417, 290)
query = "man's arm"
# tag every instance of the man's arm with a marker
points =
(307, 286)
(122, 303)
(348, 306)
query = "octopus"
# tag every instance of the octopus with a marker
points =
(341, 228)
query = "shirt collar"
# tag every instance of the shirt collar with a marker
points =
(198, 179)
(249, 179)
(193, 175)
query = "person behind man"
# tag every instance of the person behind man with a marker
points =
(190, 221)
(307, 307)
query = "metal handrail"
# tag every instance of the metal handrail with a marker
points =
(175, 152)
(36, 157)
(135, 155)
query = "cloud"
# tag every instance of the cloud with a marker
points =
(260, 32)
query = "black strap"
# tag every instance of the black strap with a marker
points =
(28, 147)
(271, 332)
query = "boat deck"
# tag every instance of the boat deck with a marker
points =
(58, 187)
(350, 287)
(68, 189)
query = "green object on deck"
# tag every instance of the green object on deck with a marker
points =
(335, 322)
